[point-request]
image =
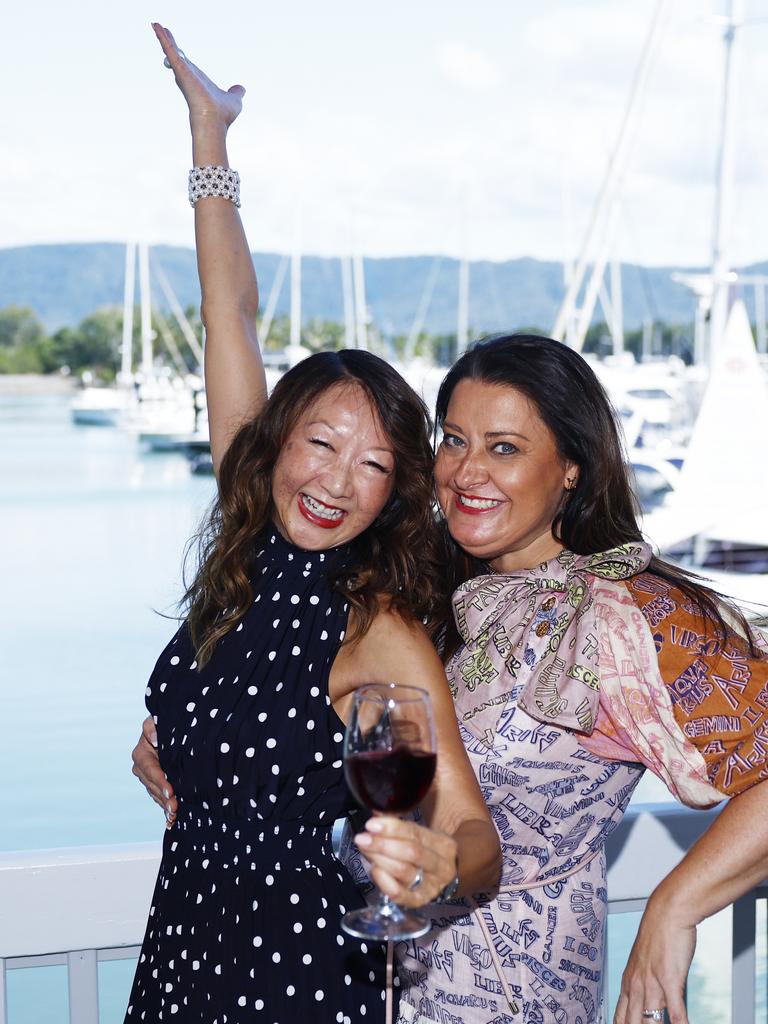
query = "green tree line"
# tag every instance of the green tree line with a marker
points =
(94, 344)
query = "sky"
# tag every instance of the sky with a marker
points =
(415, 126)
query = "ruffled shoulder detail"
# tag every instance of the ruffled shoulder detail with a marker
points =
(636, 719)
(718, 693)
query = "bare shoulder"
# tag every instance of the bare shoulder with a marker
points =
(394, 644)
(395, 649)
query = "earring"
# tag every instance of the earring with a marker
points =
(570, 484)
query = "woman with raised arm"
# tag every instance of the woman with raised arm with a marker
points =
(317, 567)
(576, 659)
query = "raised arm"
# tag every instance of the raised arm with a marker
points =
(460, 833)
(728, 860)
(234, 373)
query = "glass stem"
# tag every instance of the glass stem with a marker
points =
(388, 908)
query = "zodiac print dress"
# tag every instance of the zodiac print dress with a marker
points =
(244, 924)
(572, 678)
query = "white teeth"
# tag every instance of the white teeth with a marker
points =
(479, 503)
(319, 509)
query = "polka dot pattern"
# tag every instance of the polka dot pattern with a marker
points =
(245, 918)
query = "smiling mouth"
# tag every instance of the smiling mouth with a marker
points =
(470, 503)
(319, 513)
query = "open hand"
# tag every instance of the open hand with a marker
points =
(397, 851)
(658, 966)
(206, 101)
(146, 768)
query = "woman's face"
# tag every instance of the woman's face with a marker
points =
(335, 472)
(499, 478)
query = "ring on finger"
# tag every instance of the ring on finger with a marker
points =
(653, 1014)
(418, 879)
(167, 63)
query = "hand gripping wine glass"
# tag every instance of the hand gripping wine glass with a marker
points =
(389, 761)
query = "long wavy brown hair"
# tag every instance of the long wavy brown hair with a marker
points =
(394, 562)
(602, 510)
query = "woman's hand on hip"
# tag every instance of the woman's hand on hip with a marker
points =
(208, 104)
(656, 972)
(146, 768)
(408, 862)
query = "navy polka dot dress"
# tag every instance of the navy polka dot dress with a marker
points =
(244, 925)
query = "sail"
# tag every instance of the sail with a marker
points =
(723, 488)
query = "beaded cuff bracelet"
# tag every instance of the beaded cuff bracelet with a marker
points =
(214, 181)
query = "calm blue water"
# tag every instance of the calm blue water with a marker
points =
(92, 533)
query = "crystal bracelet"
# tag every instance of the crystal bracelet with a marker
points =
(214, 181)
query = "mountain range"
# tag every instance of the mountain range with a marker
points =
(64, 283)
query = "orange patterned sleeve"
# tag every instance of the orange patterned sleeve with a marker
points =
(719, 693)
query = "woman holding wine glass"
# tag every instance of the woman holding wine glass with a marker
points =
(317, 566)
(565, 661)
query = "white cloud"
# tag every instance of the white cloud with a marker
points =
(468, 68)
(382, 120)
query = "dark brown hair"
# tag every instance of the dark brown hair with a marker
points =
(602, 510)
(394, 560)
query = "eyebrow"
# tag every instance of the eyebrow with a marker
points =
(325, 423)
(489, 434)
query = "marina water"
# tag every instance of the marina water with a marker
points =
(93, 531)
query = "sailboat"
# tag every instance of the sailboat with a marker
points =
(716, 518)
(107, 406)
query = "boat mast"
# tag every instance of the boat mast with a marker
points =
(724, 189)
(274, 295)
(181, 317)
(348, 301)
(126, 348)
(419, 319)
(361, 306)
(462, 327)
(603, 216)
(462, 312)
(296, 282)
(146, 312)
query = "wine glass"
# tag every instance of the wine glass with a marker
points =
(389, 761)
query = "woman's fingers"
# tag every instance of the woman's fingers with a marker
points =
(644, 996)
(168, 44)
(651, 993)
(204, 98)
(396, 880)
(654, 978)
(401, 853)
(149, 730)
(147, 769)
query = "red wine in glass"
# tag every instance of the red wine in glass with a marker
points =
(391, 781)
(389, 761)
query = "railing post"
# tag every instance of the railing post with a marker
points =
(744, 963)
(3, 999)
(83, 977)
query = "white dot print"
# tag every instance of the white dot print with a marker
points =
(245, 924)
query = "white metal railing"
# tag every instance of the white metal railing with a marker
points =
(81, 906)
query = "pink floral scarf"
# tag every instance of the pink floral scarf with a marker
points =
(534, 633)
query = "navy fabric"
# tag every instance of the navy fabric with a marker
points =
(245, 918)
